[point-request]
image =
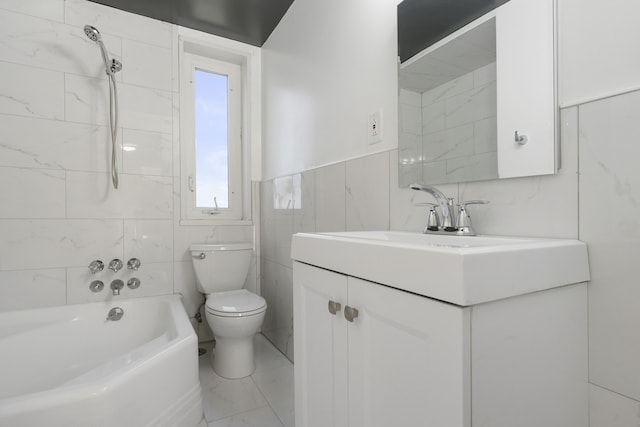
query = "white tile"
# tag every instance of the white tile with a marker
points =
(223, 398)
(87, 101)
(146, 109)
(267, 221)
(277, 387)
(433, 117)
(484, 75)
(470, 106)
(367, 193)
(516, 204)
(304, 216)
(47, 9)
(155, 279)
(184, 283)
(31, 92)
(32, 193)
(91, 195)
(448, 89)
(331, 198)
(47, 44)
(114, 21)
(147, 65)
(251, 282)
(148, 240)
(485, 135)
(409, 97)
(609, 221)
(268, 292)
(448, 144)
(283, 233)
(267, 356)
(52, 144)
(28, 244)
(435, 172)
(147, 153)
(609, 409)
(32, 288)
(472, 167)
(261, 417)
(410, 119)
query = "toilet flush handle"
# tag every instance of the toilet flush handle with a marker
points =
(201, 256)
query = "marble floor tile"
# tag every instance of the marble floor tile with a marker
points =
(264, 399)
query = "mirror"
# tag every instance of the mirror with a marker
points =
(480, 103)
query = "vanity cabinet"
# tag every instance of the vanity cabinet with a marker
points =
(409, 360)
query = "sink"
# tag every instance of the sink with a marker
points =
(462, 270)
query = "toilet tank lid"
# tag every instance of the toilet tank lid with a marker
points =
(208, 247)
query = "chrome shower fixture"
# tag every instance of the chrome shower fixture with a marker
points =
(111, 65)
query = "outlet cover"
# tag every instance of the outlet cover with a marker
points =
(374, 127)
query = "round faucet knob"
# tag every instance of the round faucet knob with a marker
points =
(133, 264)
(115, 265)
(96, 266)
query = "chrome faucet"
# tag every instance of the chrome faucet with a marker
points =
(461, 227)
(116, 285)
(445, 204)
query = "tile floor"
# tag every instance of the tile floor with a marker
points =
(264, 399)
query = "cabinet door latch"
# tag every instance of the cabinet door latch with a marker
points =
(350, 313)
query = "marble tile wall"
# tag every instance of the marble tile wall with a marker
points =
(58, 211)
(448, 133)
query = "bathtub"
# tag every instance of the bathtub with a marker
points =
(70, 366)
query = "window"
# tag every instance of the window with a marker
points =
(211, 146)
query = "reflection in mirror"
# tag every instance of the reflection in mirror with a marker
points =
(447, 108)
(480, 103)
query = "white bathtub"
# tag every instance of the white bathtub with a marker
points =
(69, 366)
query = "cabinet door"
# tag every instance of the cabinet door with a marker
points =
(525, 68)
(408, 359)
(320, 345)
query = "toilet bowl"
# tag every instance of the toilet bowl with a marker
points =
(233, 314)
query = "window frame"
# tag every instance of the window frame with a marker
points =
(189, 211)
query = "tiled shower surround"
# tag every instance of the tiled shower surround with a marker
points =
(58, 211)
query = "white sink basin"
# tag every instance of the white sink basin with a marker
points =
(457, 269)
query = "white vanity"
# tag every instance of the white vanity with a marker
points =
(405, 329)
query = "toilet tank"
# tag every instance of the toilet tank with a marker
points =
(222, 266)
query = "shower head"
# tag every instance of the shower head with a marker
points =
(92, 33)
(111, 65)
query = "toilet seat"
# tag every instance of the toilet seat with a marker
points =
(238, 303)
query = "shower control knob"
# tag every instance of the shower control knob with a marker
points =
(134, 264)
(115, 265)
(96, 266)
(96, 286)
(133, 283)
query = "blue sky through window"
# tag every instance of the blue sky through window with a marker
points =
(211, 112)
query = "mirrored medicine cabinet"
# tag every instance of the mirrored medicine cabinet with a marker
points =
(480, 103)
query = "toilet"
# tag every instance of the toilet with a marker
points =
(233, 313)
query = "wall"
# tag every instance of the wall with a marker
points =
(58, 210)
(594, 197)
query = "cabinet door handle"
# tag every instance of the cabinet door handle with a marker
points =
(350, 313)
(334, 307)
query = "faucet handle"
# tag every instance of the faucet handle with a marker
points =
(464, 221)
(433, 221)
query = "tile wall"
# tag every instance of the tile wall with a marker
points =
(448, 133)
(58, 211)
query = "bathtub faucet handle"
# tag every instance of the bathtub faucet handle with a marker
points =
(116, 285)
(133, 264)
(115, 265)
(96, 266)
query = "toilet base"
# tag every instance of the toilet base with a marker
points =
(233, 358)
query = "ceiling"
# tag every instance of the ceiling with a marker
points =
(247, 21)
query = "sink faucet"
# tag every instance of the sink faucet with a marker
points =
(446, 205)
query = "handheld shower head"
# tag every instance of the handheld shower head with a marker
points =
(92, 33)
(111, 65)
